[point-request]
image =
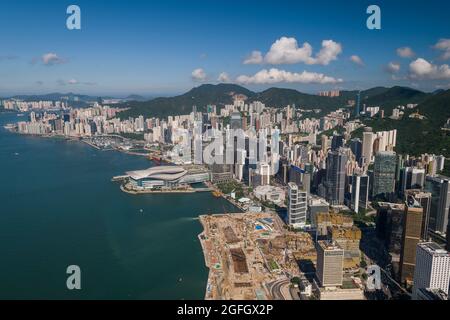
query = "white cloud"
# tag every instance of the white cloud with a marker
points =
(422, 69)
(405, 52)
(72, 81)
(198, 75)
(223, 77)
(357, 60)
(276, 76)
(444, 45)
(393, 67)
(329, 52)
(254, 58)
(286, 51)
(51, 58)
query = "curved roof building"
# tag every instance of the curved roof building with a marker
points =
(164, 173)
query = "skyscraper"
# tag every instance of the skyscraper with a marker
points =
(384, 174)
(337, 142)
(412, 232)
(356, 147)
(330, 263)
(358, 104)
(297, 206)
(324, 141)
(335, 177)
(439, 187)
(432, 268)
(236, 121)
(367, 146)
(360, 192)
(424, 199)
(411, 178)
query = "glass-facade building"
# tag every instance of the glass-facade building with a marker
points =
(384, 174)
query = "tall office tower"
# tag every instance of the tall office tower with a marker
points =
(265, 174)
(412, 233)
(236, 121)
(384, 174)
(389, 227)
(398, 172)
(288, 113)
(356, 147)
(330, 263)
(324, 141)
(411, 178)
(439, 187)
(337, 141)
(360, 192)
(432, 268)
(297, 206)
(440, 163)
(358, 104)
(424, 199)
(336, 177)
(367, 145)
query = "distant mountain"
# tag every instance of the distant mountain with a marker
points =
(279, 97)
(201, 96)
(436, 108)
(57, 97)
(389, 98)
(438, 91)
(135, 97)
(221, 94)
(414, 136)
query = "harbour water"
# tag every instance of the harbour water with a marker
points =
(58, 207)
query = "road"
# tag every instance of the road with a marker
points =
(276, 289)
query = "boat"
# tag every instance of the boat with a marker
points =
(217, 194)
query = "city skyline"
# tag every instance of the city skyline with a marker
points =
(225, 151)
(166, 49)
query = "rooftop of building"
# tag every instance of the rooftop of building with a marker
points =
(393, 206)
(169, 173)
(329, 245)
(433, 294)
(433, 248)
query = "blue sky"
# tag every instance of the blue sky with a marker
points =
(153, 47)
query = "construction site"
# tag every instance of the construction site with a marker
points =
(252, 256)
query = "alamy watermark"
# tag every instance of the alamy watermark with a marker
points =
(73, 22)
(230, 147)
(373, 278)
(374, 20)
(73, 282)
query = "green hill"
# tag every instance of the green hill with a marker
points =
(389, 98)
(222, 94)
(279, 97)
(201, 96)
(414, 136)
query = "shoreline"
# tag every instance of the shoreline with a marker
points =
(150, 191)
